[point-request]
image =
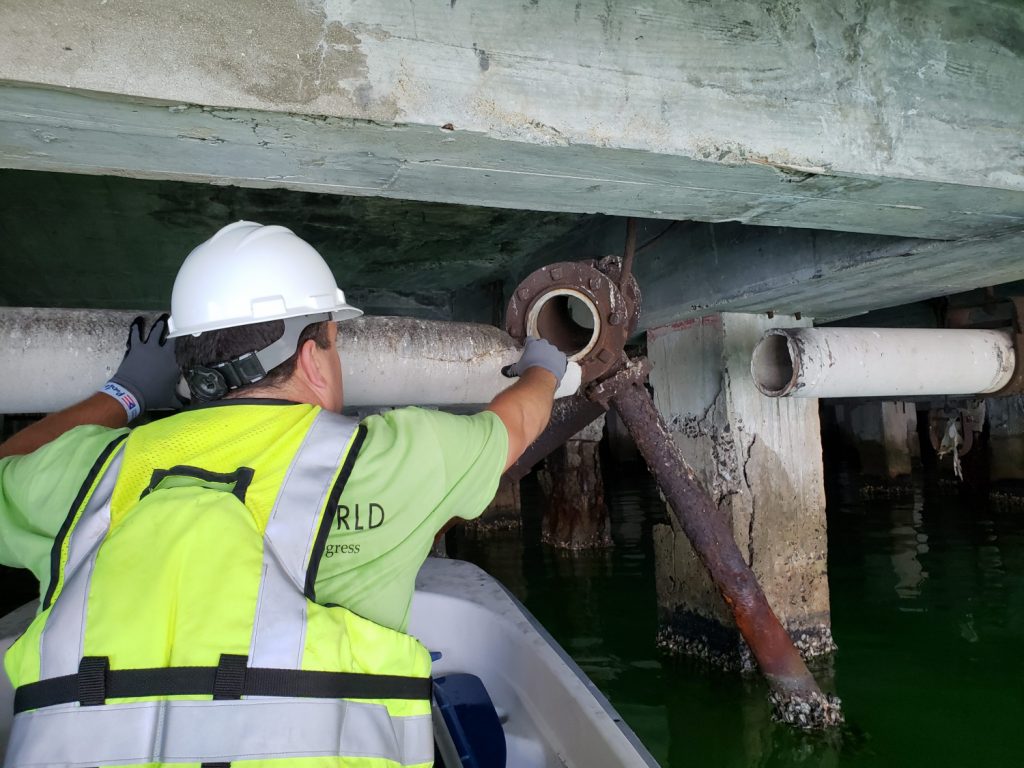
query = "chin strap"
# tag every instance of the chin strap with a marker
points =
(214, 380)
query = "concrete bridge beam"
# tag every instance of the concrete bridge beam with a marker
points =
(692, 269)
(836, 115)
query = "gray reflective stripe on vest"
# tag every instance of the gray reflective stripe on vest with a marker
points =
(60, 645)
(215, 731)
(279, 630)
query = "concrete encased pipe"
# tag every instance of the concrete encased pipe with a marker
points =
(52, 358)
(881, 362)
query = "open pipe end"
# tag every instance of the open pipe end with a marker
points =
(774, 365)
(568, 319)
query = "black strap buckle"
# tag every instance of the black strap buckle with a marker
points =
(92, 680)
(229, 682)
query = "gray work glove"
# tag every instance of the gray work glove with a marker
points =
(148, 375)
(540, 354)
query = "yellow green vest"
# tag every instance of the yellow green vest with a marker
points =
(181, 626)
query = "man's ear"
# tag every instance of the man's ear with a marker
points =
(308, 363)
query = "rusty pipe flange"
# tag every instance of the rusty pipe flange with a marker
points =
(579, 307)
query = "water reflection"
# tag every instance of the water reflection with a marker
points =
(928, 611)
(909, 541)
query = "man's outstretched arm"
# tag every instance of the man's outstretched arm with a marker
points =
(145, 379)
(525, 407)
(97, 409)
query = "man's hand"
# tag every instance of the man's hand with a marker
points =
(539, 353)
(148, 374)
(146, 378)
(525, 407)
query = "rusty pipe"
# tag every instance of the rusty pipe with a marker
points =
(796, 694)
(568, 416)
(610, 299)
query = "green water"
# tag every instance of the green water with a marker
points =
(927, 610)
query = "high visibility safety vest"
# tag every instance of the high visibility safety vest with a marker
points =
(180, 624)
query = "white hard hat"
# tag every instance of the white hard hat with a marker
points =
(250, 273)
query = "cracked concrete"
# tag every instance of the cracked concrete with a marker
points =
(762, 460)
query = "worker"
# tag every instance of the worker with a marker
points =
(233, 582)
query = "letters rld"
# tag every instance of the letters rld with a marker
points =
(355, 519)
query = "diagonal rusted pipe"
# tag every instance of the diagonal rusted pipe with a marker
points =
(569, 416)
(607, 289)
(795, 693)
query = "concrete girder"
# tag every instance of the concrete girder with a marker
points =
(839, 115)
(693, 270)
(826, 276)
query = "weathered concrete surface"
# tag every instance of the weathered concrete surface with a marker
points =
(575, 512)
(761, 460)
(438, 261)
(843, 115)
(899, 428)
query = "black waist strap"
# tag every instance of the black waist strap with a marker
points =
(95, 683)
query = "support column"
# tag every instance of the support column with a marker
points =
(575, 513)
(504, 513)
(761, 460)
(1006, 443)
(885, 435)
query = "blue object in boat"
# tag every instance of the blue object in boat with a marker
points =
(472, 721)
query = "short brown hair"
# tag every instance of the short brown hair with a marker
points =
(229, 343)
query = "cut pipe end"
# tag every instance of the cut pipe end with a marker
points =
(773, 365)
(568, 319)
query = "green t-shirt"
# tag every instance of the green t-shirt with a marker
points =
(415, 471)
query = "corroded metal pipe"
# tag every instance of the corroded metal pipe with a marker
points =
(568, 417)
(611, 300)
(796, 695)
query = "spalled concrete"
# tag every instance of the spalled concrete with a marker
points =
(761, 460)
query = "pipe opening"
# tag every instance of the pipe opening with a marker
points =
(771, 365)
(566, 318)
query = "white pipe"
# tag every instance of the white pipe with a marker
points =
(881, 362)
(51, 358)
